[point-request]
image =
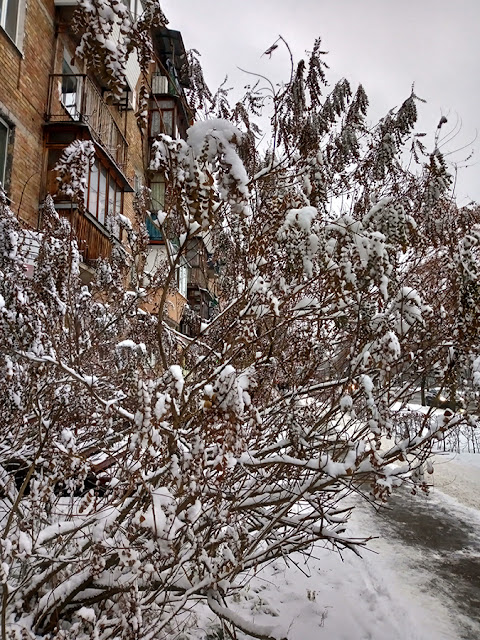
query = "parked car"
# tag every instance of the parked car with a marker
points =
(441, 398)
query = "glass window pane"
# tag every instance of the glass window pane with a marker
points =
(54, 156)
(102, 195)
(155, 123)
(11, 19)
(111, 196)
(69, 90)
(166, 104)
(158, 195)
(168, 122)
(93, 190)
(138, 183)
(118, 201)
(116, 231)
(182, 279)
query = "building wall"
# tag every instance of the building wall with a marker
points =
(175, 302)
(23, 95)
(25, 70)
(24, 81)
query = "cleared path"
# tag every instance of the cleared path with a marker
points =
(441, 538)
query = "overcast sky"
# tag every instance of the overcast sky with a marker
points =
(385, 44)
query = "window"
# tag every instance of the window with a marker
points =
(111, 198)
(105, 196)
(135, 7)
(182, 277)
(157, 203)
(137, 183)
(162, 118)
(93, 190)
(157, 187)
(9, 17)
(4, 136)
(102, 195)
(69, 90)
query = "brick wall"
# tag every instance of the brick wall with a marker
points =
(24, 78)
(24, 82)
(23, 94)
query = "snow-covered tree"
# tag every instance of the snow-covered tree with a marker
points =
(142, 470)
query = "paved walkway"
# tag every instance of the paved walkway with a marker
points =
(440, 541)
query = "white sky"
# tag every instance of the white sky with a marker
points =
(385, 44)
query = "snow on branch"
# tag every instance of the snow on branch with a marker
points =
(144, 472)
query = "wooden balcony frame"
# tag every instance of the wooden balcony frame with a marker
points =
(94, 241)
(88, 108)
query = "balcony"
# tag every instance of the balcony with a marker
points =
(198, 278)
(93, 240)
(169, 47)
(73, 98)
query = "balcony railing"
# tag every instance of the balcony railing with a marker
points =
(93, 242)
(74, 98)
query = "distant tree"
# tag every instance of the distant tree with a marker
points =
(142, 470)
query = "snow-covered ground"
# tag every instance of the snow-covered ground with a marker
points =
(394, 592)
(350, 599)
(458, 476)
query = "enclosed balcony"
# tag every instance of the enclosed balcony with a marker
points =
(169, 47)
(95, 221)
(93, 243)
(74, 99)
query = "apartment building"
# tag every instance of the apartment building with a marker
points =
(48, 99)
(45, 103)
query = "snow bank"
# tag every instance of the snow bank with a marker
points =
(458, 476)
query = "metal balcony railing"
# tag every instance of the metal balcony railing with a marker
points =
(74, 98)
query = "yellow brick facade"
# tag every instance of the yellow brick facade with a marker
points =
(44, 40)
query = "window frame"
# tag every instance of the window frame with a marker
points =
(156, 179)
(157, 193)
(166, 108)
(102, 216)
(3, 170)
(69, 88)
(182, 277)
(133, 6)
(19, 16)
(6, 169)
